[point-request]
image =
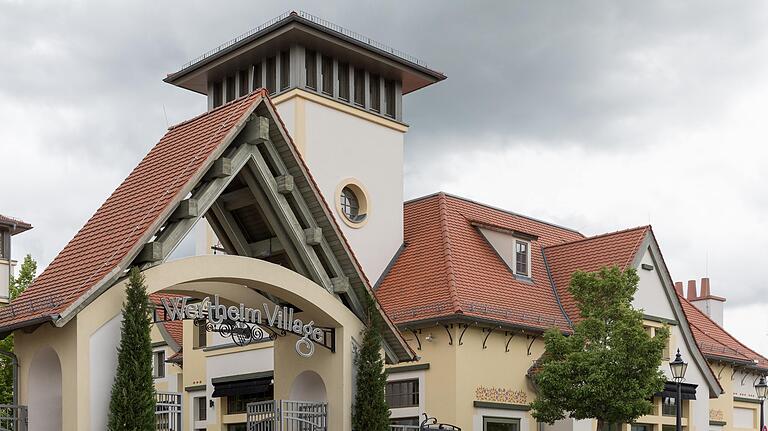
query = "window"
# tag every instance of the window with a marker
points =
(501, 424)
(744, 418)
(350, 205)
(359, 87)
(310, 64)
(238, 403)
(217, 94)
(522, 255)
(200, 334)
(236, 427)
(3, 244)
(403, 393)
(344, 81)
(668, 407)
(201, 409)
(230, 88)
(641, 427)
(390, 95)
(327, 75)
(243, 83)
(375, 92)
(158, 364)
(257, 77)
(271, 75)
(285, 70)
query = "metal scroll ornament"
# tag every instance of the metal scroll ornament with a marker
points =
(241, 333)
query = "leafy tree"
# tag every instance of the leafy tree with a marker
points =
(18, 284)
(609, 368)
(371, 412)
(132, 406)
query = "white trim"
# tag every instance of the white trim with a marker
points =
(407, 412)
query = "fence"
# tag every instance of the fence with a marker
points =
(13, 418)
(285, 415)
(167, 411)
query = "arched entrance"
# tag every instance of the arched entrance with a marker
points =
(325, 377)
(45, 391)
(309, 386)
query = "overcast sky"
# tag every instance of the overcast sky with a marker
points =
(598, 115)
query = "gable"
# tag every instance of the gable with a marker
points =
(241, 173)
(651, 288)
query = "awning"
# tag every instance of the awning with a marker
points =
(687, 390)
(258, 384)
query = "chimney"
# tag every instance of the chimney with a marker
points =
(691, 290)
(679, 288)
(709, 304)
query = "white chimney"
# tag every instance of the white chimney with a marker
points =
(711, 305)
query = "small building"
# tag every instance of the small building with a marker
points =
(9, 227)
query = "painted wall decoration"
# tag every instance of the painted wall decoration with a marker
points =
(500, 395)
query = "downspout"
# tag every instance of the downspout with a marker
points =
(15, 364)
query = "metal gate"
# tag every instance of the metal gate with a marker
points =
(287, 415)
(13, 418)
(167, 411)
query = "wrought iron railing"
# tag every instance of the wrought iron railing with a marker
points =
(13, 418)
(287, 415)
(319, 21)
(168, 411)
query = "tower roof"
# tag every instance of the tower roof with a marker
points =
(309, 30)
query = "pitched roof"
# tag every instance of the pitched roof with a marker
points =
(447, 267)
(590, 254)
(715, 342)
(114, 233)
(175, 328)
(17, 226)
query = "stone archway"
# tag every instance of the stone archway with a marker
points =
(44, 388)
(251, 281)
(309, 386)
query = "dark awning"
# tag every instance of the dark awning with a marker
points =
(687, 390)
(259, 384)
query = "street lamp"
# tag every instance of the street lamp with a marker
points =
(761, 388)
(678, 367)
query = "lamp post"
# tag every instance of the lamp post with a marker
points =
(678, 367)
(761, 388)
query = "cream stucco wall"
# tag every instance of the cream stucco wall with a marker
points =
(340, 142)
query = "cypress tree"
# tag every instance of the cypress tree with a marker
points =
(132, 406)
(371, 412)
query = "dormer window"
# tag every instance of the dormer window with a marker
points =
(522, 258)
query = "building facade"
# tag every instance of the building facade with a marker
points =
(289, 191)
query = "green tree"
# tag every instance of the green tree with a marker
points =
(18, 284)
(609, 368)
(132, 406)
(371, 412)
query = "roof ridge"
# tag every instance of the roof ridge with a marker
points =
(261, 91)
(506, 211)
(703, 314)
(443, 214)
(602, 235)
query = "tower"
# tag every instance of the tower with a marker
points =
(340, 96)
(8, 228)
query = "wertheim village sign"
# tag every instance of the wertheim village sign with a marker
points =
(246, 325)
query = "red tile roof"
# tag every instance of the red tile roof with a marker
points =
(715, 342)
(447, 267)
(590, 254)
(18, 226)
(174, 327)
(129, 214)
